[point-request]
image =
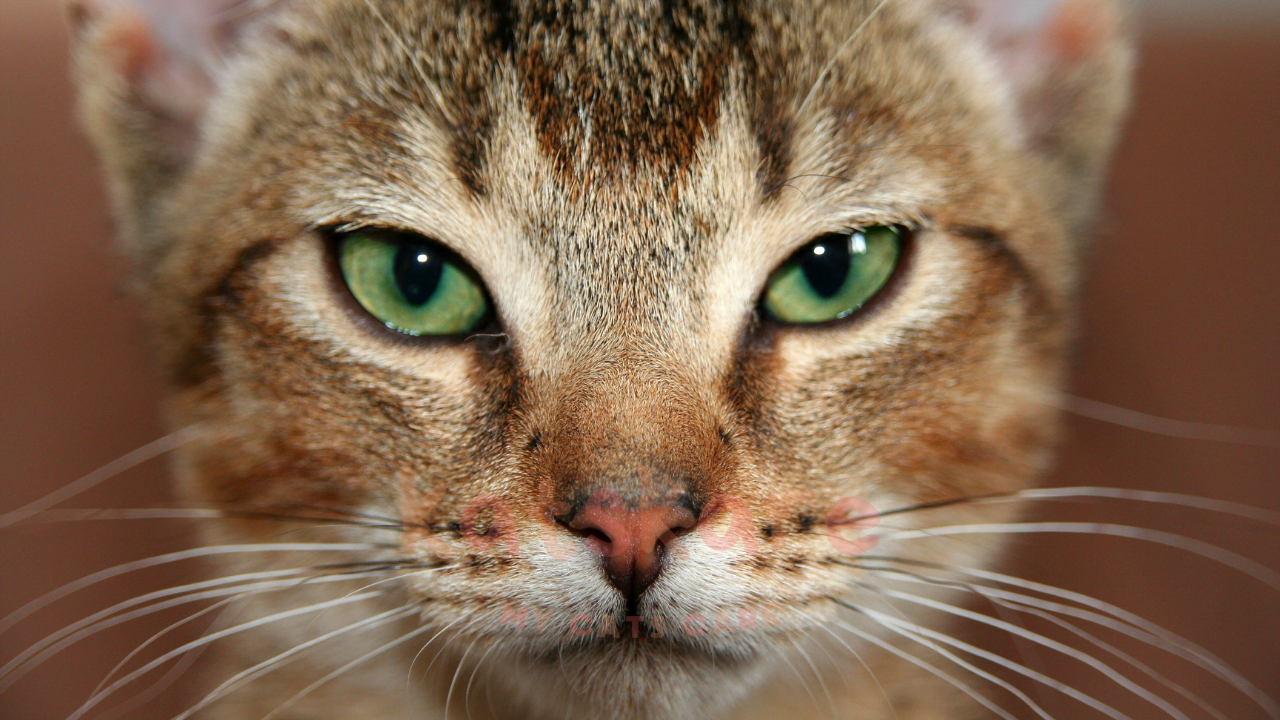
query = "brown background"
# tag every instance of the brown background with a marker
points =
(1181, 321)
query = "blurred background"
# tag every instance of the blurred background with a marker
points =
(1181, 320)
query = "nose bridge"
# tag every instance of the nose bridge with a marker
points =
(631, 458)
(637, 426)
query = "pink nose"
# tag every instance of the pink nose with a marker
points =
(633, 541)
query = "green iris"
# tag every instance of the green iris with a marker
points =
(834, 276)
(413, 285)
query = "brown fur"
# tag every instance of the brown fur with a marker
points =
(624, 176)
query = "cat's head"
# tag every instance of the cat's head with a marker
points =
(623, 309)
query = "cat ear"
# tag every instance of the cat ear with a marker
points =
(166, 56)
(1061, 58)
(170, 52)
(1066, 65)
(148, 71)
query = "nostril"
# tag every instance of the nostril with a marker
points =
(597, 540)
(633, 540)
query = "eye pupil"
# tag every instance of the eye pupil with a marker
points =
(417, 272)
(826, 264)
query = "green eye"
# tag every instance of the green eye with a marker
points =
(834, 276)
(411, 284)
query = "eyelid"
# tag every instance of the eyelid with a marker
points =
(365, 318)
(907, 238)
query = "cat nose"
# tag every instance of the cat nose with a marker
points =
(632, 539)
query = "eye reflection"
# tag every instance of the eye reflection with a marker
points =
(834, 276)
(412, 284)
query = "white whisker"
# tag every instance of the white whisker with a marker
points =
(803, 683)
(151, 450)
(133, 602)
(408, 677)
(821, 682)
(826, 69)
(933, 669)
(1001, 598)
(19, 671)
(1164, 426)
(243, 627)
(345, 668)
(467, 695)
(1227, 507)
(88, 514)
(448, 698)
(1110, 672)
(1125, 622)
(911, 629)
(1230, 559)
(966, 665)
(36, 605)
(179, 669)
(248, 675)
(888, 701)
(239, 594)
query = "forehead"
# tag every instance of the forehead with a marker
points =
(656, 157)
(621, 100)
(610, 88)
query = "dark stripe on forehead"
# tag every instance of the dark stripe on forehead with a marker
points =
(614, 87)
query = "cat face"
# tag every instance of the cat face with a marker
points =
(622, 453)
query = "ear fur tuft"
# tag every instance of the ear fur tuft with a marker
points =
(169, 52)
(1050, 48)
(148, 71)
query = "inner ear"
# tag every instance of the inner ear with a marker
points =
(1032, 37)
(170, 53)
(1045, 43)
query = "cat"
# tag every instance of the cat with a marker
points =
(575, 358)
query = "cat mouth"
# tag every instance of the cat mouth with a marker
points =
(732, 636)
(648, 642)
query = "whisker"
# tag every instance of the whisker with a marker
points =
(345, 668)
(1230, 559)
(34, 656)
(1103, 668)
(803, 683)
(1162, 498)
(1125, 622)
(278, 585)
(422, 569)
(821, 682)
(291, 513)
(1164, 426)
(133, 602)
(165, 682)
(129, 460)
(91, 514)
(826, 69)
(994, 597)
(910, 630)
(999, 682)
(356, 515)
(445, 645)
(35, 605)
(888, 701)
(221, 605)
(932, 669)
(98, 697)
(448, 698)
(974, 669)
(466, 697)
(248, 675)
(408, 677)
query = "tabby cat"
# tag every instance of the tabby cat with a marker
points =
(601, 358)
